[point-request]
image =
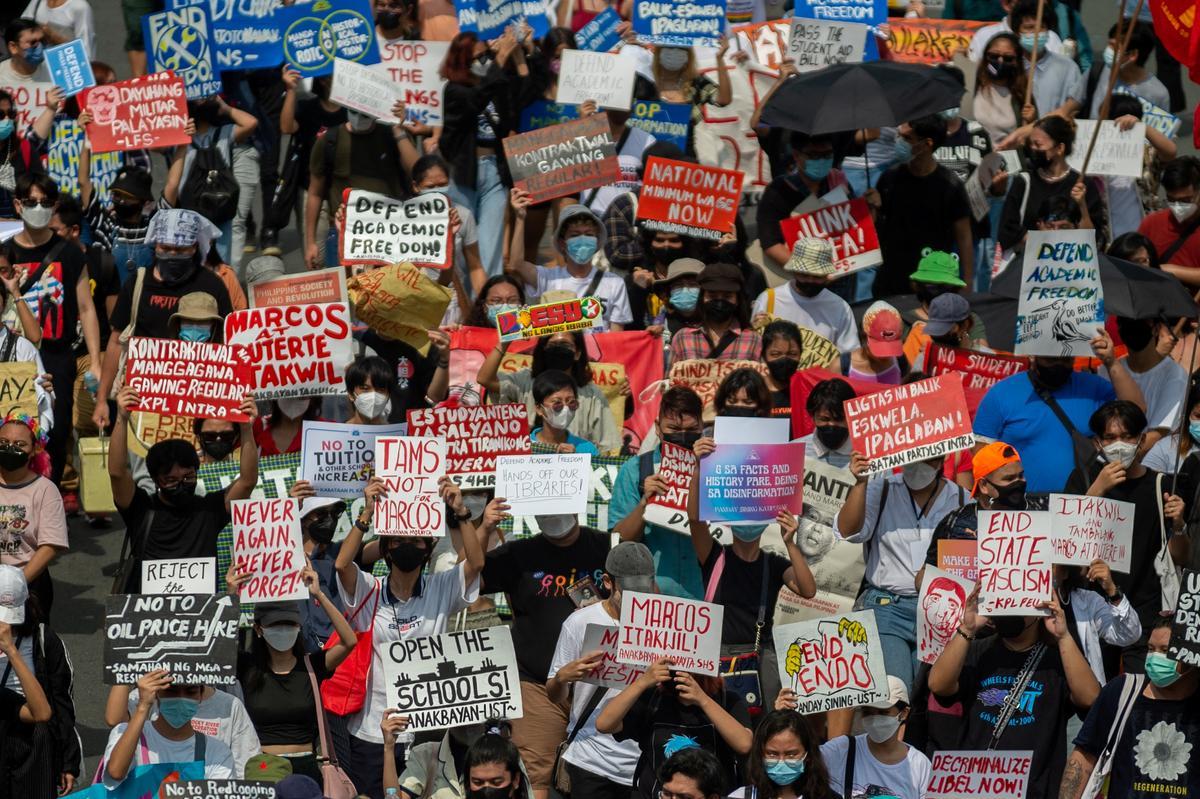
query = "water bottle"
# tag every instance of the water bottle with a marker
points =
(391, 793)
(91, 383)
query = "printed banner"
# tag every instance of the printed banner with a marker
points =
(975, 774)
(490, 19)
(310, 288)
(268, 544)
(295, 350)
(338, 458)
(70, 68)
(62, 161)
(192, 637)
(1154, 117)
(314, 34)
(600, 34)
(178, 40)
(832, 663)
(910, 423)
(866, 12)
(818, 43)
(1061, 305)
(144, 781)
(958, 557)
(602, 638)
(179, 576)
(563, 159)
(217, 789)
(751, 482)
(18, 388)
(544, 484)
(544, 113)
(411, 467)
(1014, 556)
(664, 121)
(414, 66)
(398, 301)
(380, 230)
(689, 199)
(185, 378)
(847, 226)
(146, 113)
(685, 631)
(535, 321)
(1084, 529)
(245, 35)
(679, 23)
(703, 375)
(677, 468)
(366, 89)
(474, 437)
(1118, 153)
(940, 607)
(606, 78)
(924, 40)
(1185, 626)
(980, 370)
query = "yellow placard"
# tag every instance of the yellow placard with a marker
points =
(399, 302)
(18, 388)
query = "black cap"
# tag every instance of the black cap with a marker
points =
(134, 181)
(721, 277)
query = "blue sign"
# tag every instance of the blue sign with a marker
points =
(867, 12)
(489, 19)
(178, 40)
(246, 35)
(70, 68)
(600, 35)
(316, 33)
(62, 160)
(143, 781)
(544, 113)
(663, 121)
(680, 23)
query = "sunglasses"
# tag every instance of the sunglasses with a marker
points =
(1005, 59)
(45, 202)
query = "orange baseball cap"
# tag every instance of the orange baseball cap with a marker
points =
(991, 458)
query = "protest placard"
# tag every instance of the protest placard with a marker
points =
(295, 350)
(832, 663)
(70, 68)
(751, 482)
(910, 423)
(338, 458)
(611, 379)
(825, 490)
(544, 113)
(679, 23)
(1013, 556)
(606, 78)
(689, 199)
(146, 113)
(453, 679)
(924, 40)
(29, 99)
(544, 484)
(414, 66)
(750, 430)
(245, 35)
(816, 350)
(314, 34)
(563, 159)
(178, 40)
(18, 388)
(703, 375)
(144, 781)
(62, 161)
(609, 674)
(657, 626)
(1083, 529)
(411, 467)
(669, 509)
(217, 789)
(866, 12)
(378, 229)
(179, 576)
(847, 226)
(490, 19)
(600, 34)
(817, 43)
(321, 286)
(267, 543)
(1154, 117)
(1061, 305)
(399, 302)
(187, 378)
(664, 121)
(940, 607)
(977, 774)
(474, 436)
(980, 370)
(366, 89)
(1185, 626)
(958, 557)
(192, 637)
(535, 321)
(1118, 153)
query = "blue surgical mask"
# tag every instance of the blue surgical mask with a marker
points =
(6, 128)
(949, 114)
(903, 150)
(1029, 43)
(189, 332)
(177, 711)
(817, 168)
(1161, 670)
(34, 55)
(580, 249)
(748, 532)
(1194, 430)
(495, 310)
(685, 298)
(785, 772)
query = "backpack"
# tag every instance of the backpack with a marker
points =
(210, 189)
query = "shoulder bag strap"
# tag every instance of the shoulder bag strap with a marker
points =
(322, 731)
(1131, 689)
(715, 350)
(139, 281)
(10, 345)
(848, 775)
(201, 745)
(1162, 516)
(8, 664)
(1184, 235)
(591, 289)
(762, 601)
(1013, 699)
(367, 601)
(47, 259)
(593, 702)
(714, 579)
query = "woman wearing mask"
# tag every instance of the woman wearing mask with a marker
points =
(279, 432)
(679, 81)
(1098, 610)
(664, 251)
(369, 387)
(743, 392)
(829, 442)
(499, 293)
(724, 333)
(1000, 82)
(431, 173)
(19, 150)
(677, 297)
(879, 359)
(493, 770)
(782, 349)
(28, 495)
(556, 403)
(785, 760)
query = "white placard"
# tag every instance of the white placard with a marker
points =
(414, 67)
(267, 542)
(655, 626)
(179, 576)
(383, 230)
(1084, 528)
(366, 89)
(817, 43)
(940, 607)
(1118, 153)
(538, 485)
(606, 78)
(411, 467)
(338, 459)
(1061, 305)
(602, 638)
(296, 350)
(1014, 556)
(832, 663)
(742, 430)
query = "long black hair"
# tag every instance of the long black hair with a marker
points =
(258, 664)
(494, 748)
(579, 369)
(814, 783)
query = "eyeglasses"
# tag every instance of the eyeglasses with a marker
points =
(175, 483)
(11, 113)
(1004, 59)
(558, 406)
(45, 202)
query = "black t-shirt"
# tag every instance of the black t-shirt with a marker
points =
(662, 726)
(281, 706)
(52, 296)
(315, 626)
(961, 154)
(778, 201)
(105, 282)
(536, 574)
(312, 119)
(414, 372)
(1014, 225)
(189, 530)
(962, 524)
(740, 591)
(1158, 756)
(917, 212)
(159, 301)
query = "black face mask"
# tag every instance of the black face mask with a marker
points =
(388, 19)
(808, 289)
(664, 255)
(490, 793)
(1009, 626)
(1135, 333)
(741, 411)
(217, 449)
(1038, 159)
(178, 493)
(125, 210)
(559, 356)
(1050, 377)
(175, 269)
(719, 310)
(1011, 496)
(12, 459)
(322, 529)
(686, 439)
(782, 369)
(406, 556)
(928, 292)
(832, 436)
(1001, 70)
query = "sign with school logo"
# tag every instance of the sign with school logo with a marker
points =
(178, 40)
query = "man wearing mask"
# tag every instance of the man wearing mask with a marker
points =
(678, 295)
(1162, 380)
(950, 323)
(1058, 85)
(680, 423)
(814, 176)
(829, 442)
(26, 62)
(1173, 230)
(1025, 411)
(122, 226)
(807, 301)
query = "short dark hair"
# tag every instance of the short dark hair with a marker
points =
(1124, 105)
(1028, 9)
(1127, 413)
(550, 381)
(815, 774)
(166, 455)
(699, 764)
(1062, 131)
(1127, 244)
(12, 33)
(381, 374)
(1141, 39)
(427, 162)
(579, 370)
(69, 212)
(493, 748)
(40, 179)
(801, 140)
(478, 316)
(781, 328)
(748, 379)
(1058, 207)
(680, 401)
(931, 127)
(829, 395)
(1181, 173)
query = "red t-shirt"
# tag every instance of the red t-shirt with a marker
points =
(266, 442)
(1162, 229)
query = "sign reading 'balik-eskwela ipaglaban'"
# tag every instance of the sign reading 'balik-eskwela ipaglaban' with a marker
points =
(909, 423)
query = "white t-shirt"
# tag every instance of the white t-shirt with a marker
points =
(221, 716)
(71, 20)
(438, 597)
(610, 290)
(1164, 389)
(906, 780)
(826, 314)
(591, 751)
(629, 157)
(218, 760)
(1162, 456)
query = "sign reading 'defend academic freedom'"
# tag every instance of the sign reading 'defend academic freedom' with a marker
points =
(535, 321)
(378, 229)
(689, 199)
(847, 226)
(149, 113)
(1084, 529)
(910, 423)
(295, 350)
(655, 626)
(978, 774)
(187, 378)
(1185, 627)
(832, 663)
(366, 89)
(1061, 305)
(453, 679)
(609, 673)
(563, 159)
(980, 370)
(70, 68)
(679, 23)
(751, 482)
(669, 509)
(179, 576)
(411, 468)
(535, 485)
(179, 40)
(267, 544)
(314, 34)
(475, 436)
(337, 458)
(1014, 555)
(192, 637)
(606, 78)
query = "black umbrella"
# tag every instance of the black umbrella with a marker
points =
(857, 96)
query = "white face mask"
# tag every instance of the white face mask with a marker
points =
(673, 58)
(880, 728)
(561, 418)
(1181, 211)
(35, 216)
(372, 405)
(281, 637)
(293, 407)
(557, 525)
(1121, 452)
(359, 123)
(918, 475)
(475, 503)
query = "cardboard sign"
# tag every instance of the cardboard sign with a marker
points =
(535, 321)
(544, 484)
(267, 542)
(689, 199)
(609, 674)
(980, 370)
(751, 482)
(192, 637)
(178, 40)
(1061, 305)
(453, 679)
(310, 288)
(245, 35)
(314, 34)
(866, 12)
(940, 607)
(606, 78)
(677, 23)
(1084, 528)
(398, 301)
(1154, 117)
(677, 467)
(924, 40)
(1014, 556)
(544, 113)
(179, 576)
(910, 423)
(818, 43)
(816, 350)
(600, 34)
(295, 350)
(338, 458)
(217, 789)
(564, 159)
(411, 467)
(62, 161)
(146, 113)
(414, 67)
(703, 375)
(664, 121)
(655, 626)
(975, 774)
(29, 100)
(959, 558)
(742, 430)
(70, 68)
(366, 89)
(18, 388)
(847, 226)
(832, 663)
(1185, 626)
(609, 378)
(185, 378)
(1118, 153)
(474, 436)
(380, 230)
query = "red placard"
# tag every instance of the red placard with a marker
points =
(980, 370)
(677, 468)
(848, 227)
(142, 113)
(564, 159)
(689, 199)
(474, 437)
(909, 423)
(185, 378)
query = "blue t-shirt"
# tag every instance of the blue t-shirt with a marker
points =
(1012, 412)
(581, 445)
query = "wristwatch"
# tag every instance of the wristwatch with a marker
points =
(968, 637)
(1116, 598)
(465, 517)
(361, 525)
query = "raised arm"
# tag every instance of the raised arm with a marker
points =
(850, 519)
(346, 568)
(517, 265)
(287, 115)
(123, 486)
(488, 374)
(247, 478)
(702, 540)
(347, 638)
(798, 577)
